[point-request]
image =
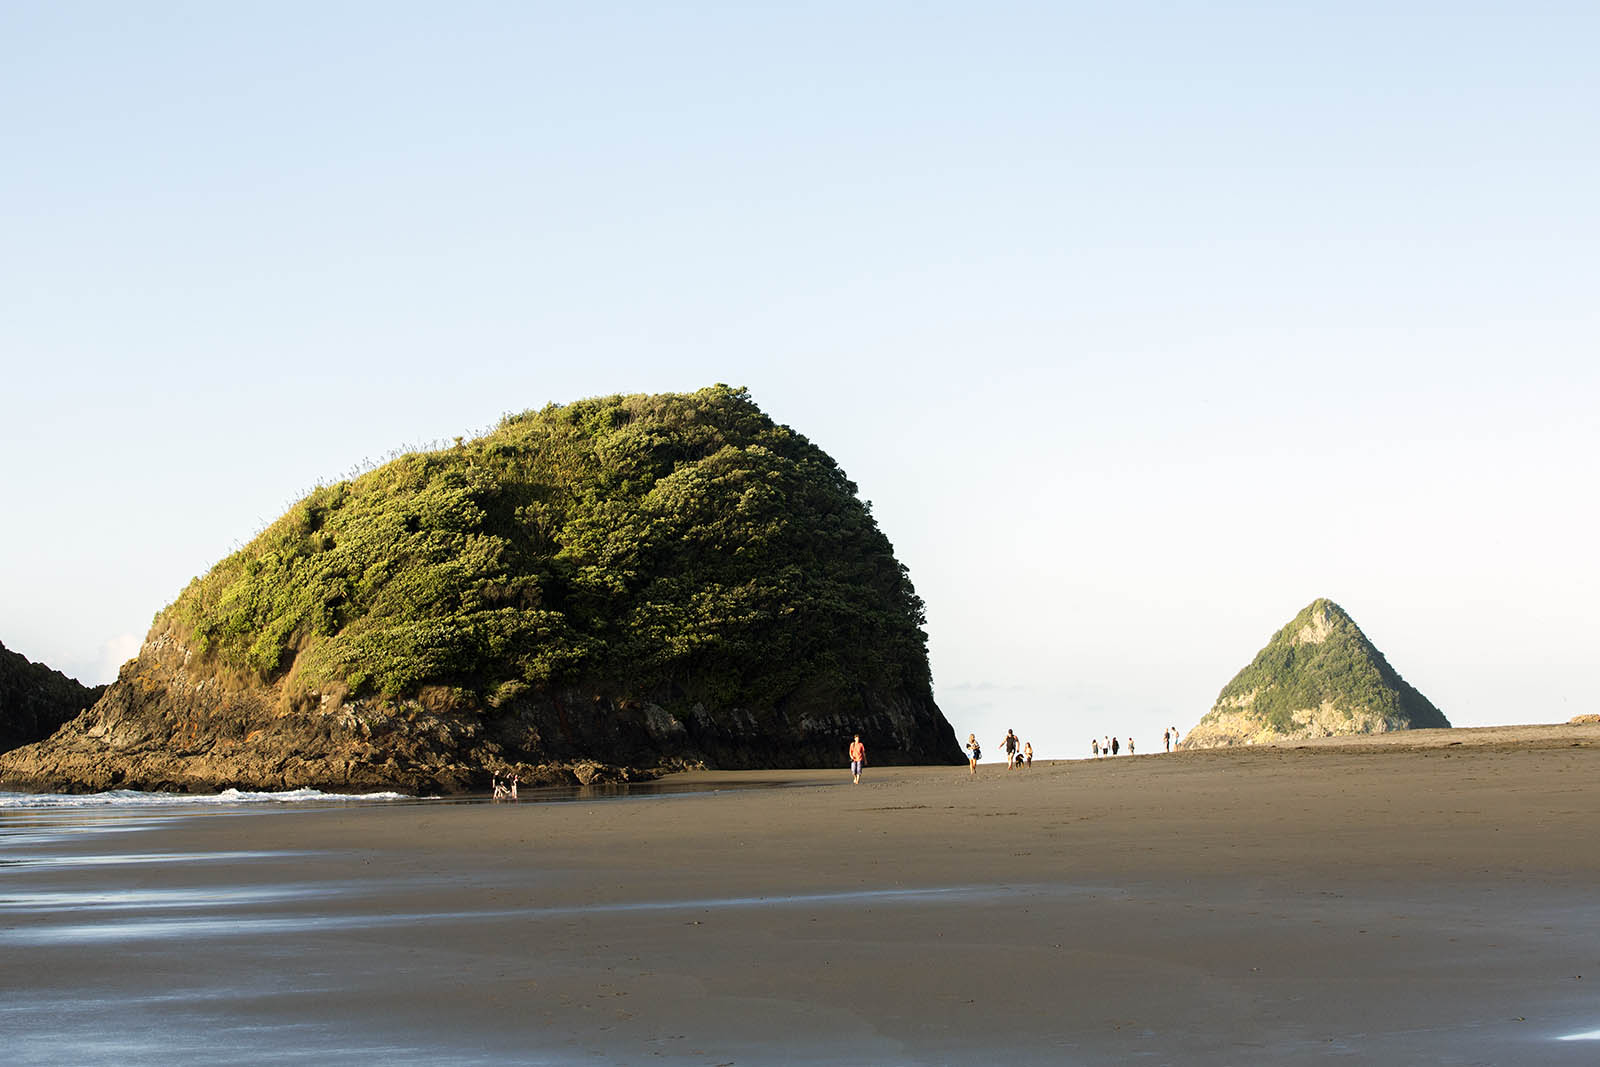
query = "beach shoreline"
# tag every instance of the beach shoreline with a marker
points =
(1272, 904)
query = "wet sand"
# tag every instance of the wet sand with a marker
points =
(1381, 902)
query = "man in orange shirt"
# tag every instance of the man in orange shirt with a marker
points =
(858, 756)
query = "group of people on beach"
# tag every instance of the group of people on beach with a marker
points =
(1112, 746)
(1108, 746)
(1019, 753)
(1019, 756)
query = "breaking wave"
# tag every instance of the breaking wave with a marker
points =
(132, 798)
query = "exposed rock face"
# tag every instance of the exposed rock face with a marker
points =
(1319, 676)
(606, 591)
(164, 726)
(35, 700)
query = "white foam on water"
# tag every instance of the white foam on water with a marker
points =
(44, 902)
(132, 798)
(1588, 1035)
(196, 927)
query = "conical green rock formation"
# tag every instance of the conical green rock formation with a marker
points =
(1319, 676)
(618, 585)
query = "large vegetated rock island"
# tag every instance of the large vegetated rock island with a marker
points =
(603, 590)
(35, 700)
(1319, 676)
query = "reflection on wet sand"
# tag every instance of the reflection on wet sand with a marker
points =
(1260, 907)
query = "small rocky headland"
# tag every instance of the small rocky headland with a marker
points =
(593, 592)
(1318, 676)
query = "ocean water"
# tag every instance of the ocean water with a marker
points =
(118, 948)
(126, 947)
(133, 800)
(224, 942)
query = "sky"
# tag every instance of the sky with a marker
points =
(1141, 325)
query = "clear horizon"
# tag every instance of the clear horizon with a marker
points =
(1140, 328)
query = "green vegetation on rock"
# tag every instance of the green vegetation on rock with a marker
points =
(598, 591)
(35, 700)
(682, 549)
(1318, 675)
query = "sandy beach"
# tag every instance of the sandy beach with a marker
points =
(1423, 898)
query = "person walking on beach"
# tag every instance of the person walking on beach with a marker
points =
(1166, 739)
(1116, 746)
(1094, 747)
(1010, 745)
(1130, 746)
(1027, 754)
(976, 752)
(858, 756)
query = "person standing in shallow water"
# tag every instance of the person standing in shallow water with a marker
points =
(858, 756)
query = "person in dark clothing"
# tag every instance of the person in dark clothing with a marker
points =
(1011, 744)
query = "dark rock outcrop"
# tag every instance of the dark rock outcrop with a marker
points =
(35, 700)
(605, 591)
(163, 726)
(1319, 676)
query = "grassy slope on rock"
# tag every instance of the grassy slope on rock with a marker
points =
(679, 548)
(1344, 668)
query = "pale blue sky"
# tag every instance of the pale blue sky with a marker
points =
(1142, 325)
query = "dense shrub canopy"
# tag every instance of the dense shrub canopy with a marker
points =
(674, 547)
